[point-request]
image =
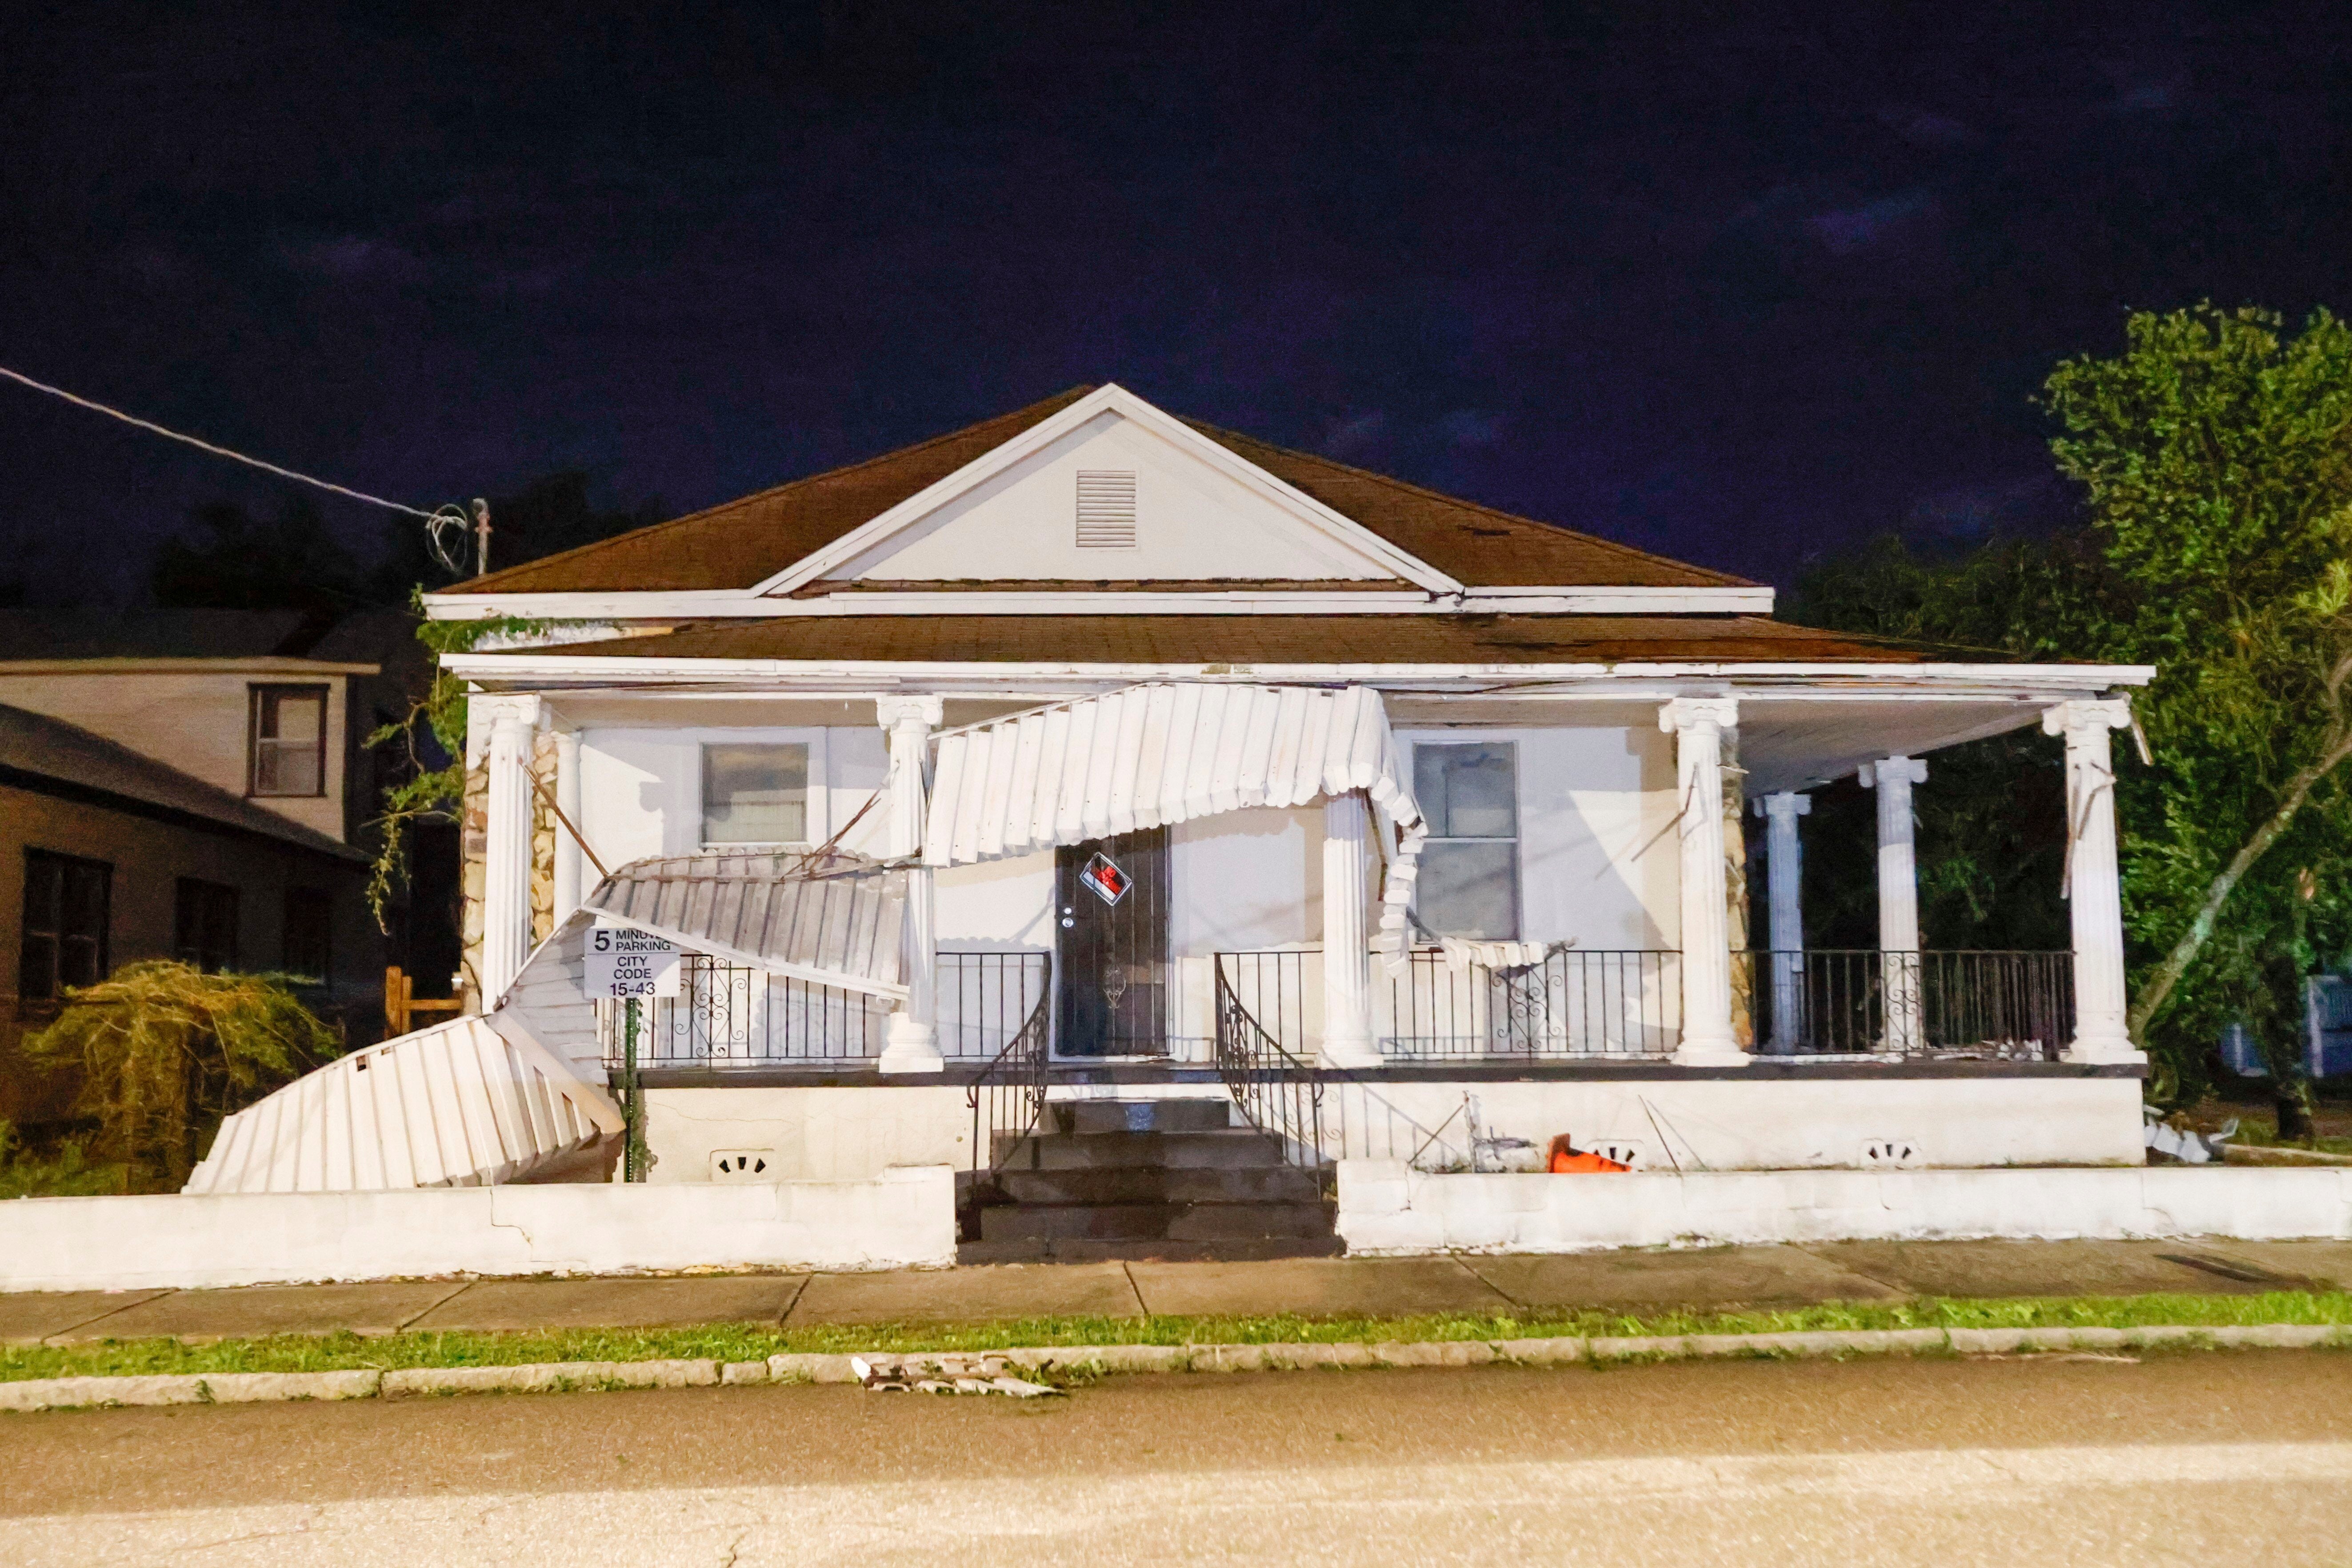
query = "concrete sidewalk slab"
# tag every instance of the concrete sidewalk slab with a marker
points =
(1711, 1278)
(256, 1310)
(1315, 1287)
(972, 1294)
(2033, 1268)
(28, 1317)
(2327, 1265)
(521, 1305)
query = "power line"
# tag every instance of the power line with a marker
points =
(215, 451)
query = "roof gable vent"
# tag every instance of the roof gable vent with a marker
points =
(1105, 509)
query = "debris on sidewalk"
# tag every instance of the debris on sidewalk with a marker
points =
(945, 1374)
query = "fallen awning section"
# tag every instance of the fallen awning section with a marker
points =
(516, 1095)
(465, 1103)
(1151, 755)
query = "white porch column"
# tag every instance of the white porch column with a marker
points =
(567, 801)
(1898, 894)
(2094, 890)
(1784, 871)
(1346, 949)
(911, 1042)
(1697, 725)
(506, 869)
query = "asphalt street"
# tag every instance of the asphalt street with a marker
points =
(2193, 1457)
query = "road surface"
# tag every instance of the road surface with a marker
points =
(2244, 1459)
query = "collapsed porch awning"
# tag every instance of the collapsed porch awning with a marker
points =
(1147, 756)
(516, 1094)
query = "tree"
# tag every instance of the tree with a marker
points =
(2215, 457)
(290, 560)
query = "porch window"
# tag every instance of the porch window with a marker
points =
(203, 924)
(755, 794)
(288, 750)
(1469, 883)
(63, 941)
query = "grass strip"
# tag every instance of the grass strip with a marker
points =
(756, 1342)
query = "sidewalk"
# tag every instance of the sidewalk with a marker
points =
(1723, 1279)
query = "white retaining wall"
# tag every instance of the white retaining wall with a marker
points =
(1387, 1208)
(807, 1134)
(901, 1218)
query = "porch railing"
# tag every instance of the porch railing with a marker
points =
(1862, 1000)
(727, 1015)
(1576, 1002)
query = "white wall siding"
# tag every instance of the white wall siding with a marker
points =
(641, 789)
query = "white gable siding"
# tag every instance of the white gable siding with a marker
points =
(1192, 523)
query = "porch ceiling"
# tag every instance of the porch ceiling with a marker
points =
(1789, 744)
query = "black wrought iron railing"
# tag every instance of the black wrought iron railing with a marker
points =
(1574, 1003)
(1862, 1000)
(728, 1015)
(1279, 1093)
(1008, 1097)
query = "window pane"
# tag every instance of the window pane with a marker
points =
(1467, 791)
(43, 877)
(755, 794)
(293, 715)
(1469, 890)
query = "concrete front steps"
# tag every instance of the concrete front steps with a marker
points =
(1163, 1179)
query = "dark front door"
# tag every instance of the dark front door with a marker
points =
(1111, 905)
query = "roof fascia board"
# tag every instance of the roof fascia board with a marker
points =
(103, 666)
(737, 605)
(1107, 399)
(1926, 680)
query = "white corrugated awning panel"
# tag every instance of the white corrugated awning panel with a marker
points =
(465, 1103)
(836, 922)
(1151, 755)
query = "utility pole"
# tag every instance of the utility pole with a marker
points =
(481, 537)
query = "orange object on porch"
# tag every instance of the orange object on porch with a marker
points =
(1567, 1160)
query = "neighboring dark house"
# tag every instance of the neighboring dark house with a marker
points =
(198, 783)
(108, 856)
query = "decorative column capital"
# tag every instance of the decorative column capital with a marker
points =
(1895, 769)
(1686, 713)
(2083, 718)
(892, 712)
(1786, 803)
(521, 709)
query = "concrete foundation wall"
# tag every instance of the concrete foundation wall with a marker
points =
(806, 1134)
(1727, 1124)
(901, 1218)
(1387, 1208)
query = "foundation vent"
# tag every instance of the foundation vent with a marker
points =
(1105, 509)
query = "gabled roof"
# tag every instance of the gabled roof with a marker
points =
(745, 542)
(35, 747)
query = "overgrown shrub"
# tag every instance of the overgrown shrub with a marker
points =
(166, 1051)
(62, 1172)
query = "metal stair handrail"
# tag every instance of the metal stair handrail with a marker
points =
(1278, 1093)
(1012, 1086)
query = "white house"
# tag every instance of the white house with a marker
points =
(1235, 794)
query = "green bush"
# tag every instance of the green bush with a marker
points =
(166, 1051)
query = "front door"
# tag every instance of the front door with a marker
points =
(1111, 906)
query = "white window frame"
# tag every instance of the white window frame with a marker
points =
(1519, 838)
(819, 811)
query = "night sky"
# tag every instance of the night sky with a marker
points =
(1737, 283)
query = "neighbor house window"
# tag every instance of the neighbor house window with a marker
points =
(309, 916)
(755, 795)
(290, 740)
(1469, 883)
(203, 924)
(64, 941)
